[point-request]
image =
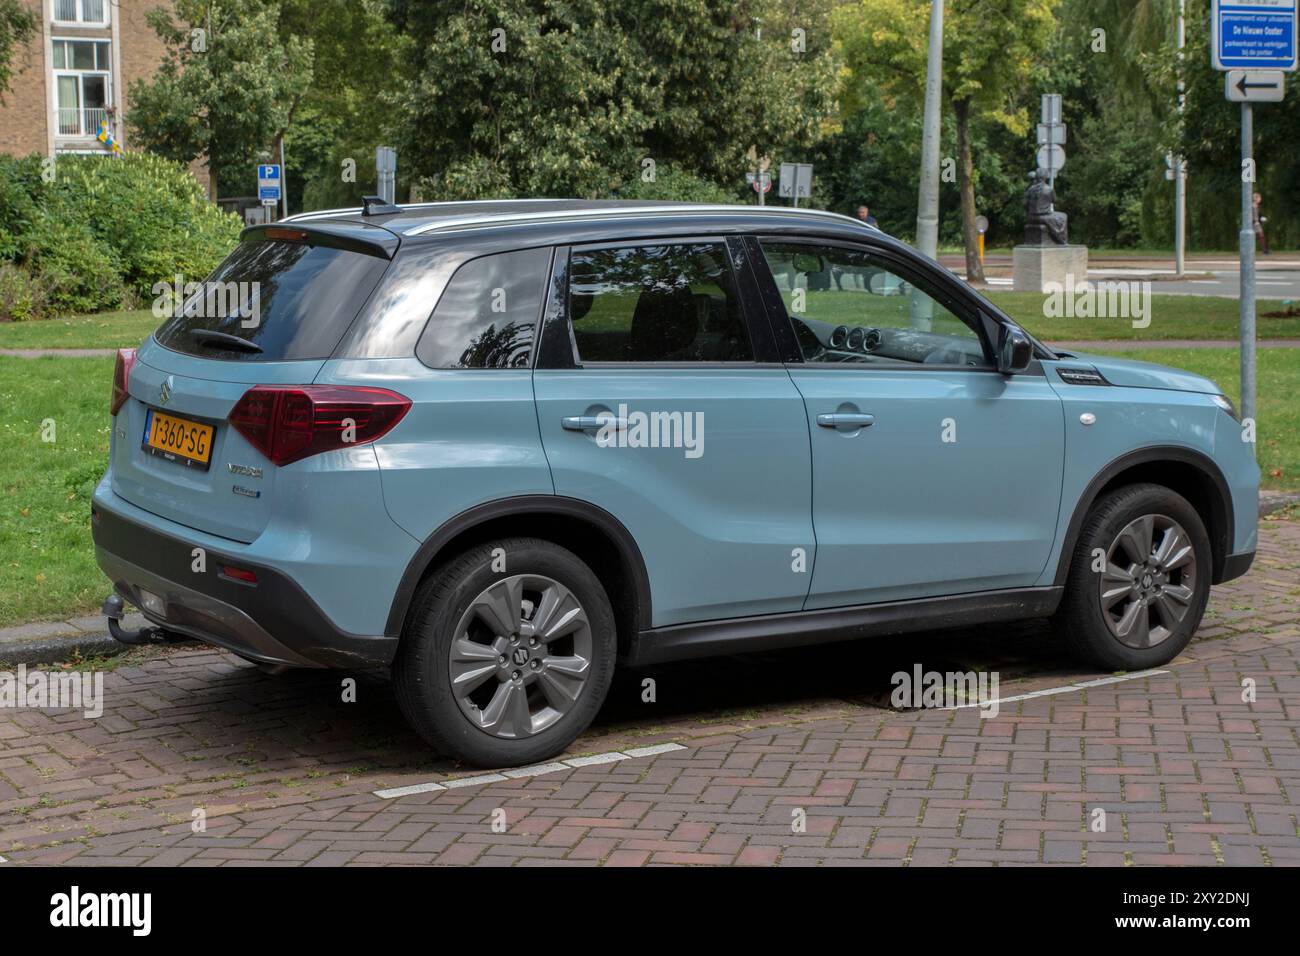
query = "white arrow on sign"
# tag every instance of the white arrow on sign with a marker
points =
(1254, 86)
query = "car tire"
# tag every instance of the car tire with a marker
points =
(532, 699)
(1146, 593)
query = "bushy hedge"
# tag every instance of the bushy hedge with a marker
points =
(100, 232)
(673, 183)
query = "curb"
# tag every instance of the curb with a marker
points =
(57, 353)
(55, 641)
(1275, 501)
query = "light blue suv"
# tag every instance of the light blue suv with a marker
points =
(500, 447)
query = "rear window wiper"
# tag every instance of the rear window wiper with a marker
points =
(216, 339)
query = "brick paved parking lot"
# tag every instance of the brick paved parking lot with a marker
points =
(791, 758)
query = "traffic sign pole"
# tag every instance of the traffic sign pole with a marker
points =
(1247, 296)
(1249, 39)
(284, 193)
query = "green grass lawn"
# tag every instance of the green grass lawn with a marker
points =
(48, 567)
(1172, 317)
(107, 330)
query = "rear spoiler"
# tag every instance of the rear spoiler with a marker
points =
(359, 237)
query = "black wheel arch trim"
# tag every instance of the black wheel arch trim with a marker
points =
(1146, 456)
(544, 505)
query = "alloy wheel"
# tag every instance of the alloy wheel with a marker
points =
(1149, 583)
(521, 656)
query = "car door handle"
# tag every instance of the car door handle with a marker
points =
(846, 420)
(582, 423)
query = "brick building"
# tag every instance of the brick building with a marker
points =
(75, 73)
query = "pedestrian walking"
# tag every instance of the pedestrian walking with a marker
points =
(1258, 220)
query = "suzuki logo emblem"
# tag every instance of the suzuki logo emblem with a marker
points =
(520, 656)
(165, 392)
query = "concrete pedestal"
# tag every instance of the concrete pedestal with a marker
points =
(1033, 267)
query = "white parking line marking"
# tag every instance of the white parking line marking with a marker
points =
(594, 759)
(536, 770)
(475, 781)
(1067, 689)
(407, 791)
(655, 749)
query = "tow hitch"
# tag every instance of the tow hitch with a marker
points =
(114, 610)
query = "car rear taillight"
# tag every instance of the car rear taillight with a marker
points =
(287, 423)
(121, 379)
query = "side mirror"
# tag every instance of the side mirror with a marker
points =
(1015, 350)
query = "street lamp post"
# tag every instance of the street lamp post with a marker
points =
(1180, 168)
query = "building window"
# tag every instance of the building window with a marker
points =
(82, 85)
(81, 11)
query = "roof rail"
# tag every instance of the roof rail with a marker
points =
(406, 207)
(624, 211)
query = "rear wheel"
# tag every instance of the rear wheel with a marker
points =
(1139, 580)
(508, 653)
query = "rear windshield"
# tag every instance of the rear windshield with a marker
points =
(272, 301)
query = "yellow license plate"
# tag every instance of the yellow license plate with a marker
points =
(178, 439)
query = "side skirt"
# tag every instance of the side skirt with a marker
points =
(773, 631)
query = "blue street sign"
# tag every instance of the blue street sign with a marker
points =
(268, 183)
(1254, 34)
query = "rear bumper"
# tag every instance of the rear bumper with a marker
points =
(273, 621)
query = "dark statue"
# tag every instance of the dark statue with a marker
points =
(1045, 226)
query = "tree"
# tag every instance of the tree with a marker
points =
(17, 25)
(1117, 117)
(1211, 141)
(229, 87)
(990, 50)
(349, 108)
(544, 98)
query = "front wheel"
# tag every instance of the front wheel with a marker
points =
(508, 653)
(1139, 580)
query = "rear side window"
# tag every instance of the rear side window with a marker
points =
(662, 303)
(274, 301)
(488, 314)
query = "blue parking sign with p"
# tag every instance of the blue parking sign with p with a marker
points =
(268, 183)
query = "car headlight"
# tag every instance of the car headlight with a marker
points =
(1224, 402)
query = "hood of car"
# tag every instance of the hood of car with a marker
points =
(1134, 374)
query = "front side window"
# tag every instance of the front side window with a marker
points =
(82, 71)
(848, 306)
(488, 313)
(656, 303)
